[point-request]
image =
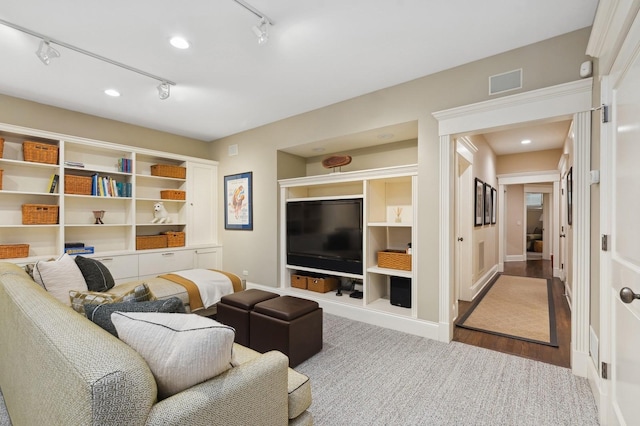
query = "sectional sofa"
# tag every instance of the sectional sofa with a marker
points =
(59, 368)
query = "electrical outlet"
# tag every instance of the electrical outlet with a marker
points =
(245, 273)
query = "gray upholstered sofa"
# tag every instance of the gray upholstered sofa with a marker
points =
(58, 368)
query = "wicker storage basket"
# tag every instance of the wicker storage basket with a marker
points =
(322, 285)
(173, 194)
(11, 251)
(79, 185)
(299, 281)
(37, 152)
(39, 214)
(147, 242)
(175, 239)
(1, 147)
(394, 259)
(0, 178)
(166, 170)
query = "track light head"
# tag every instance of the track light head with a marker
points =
(164, 90)
(261, 32)
(45, 52)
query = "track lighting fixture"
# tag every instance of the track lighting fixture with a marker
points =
(164, 90)
(260, 30)
(45, 52)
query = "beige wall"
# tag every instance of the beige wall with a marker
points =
(20, 112)
(544, 64)
(529, 162)
(514, 216)
(485, 237)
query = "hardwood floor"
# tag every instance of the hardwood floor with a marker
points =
(558, 356)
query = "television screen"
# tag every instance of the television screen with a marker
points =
(325, 234)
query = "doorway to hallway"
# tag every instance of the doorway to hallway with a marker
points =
(560, 356)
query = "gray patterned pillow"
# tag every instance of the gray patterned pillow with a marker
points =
(96, 275)
(101, 314)
(79, 299)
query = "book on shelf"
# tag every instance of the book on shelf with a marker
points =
(73, 245)
(124, 165)
(53, 183)
(74, 164)
(71, 251)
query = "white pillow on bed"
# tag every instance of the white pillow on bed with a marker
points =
(59, 277)
(181, 350)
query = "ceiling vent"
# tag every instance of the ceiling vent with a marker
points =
(505, 82)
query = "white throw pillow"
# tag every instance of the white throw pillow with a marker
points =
(181, 350)
(59, 277)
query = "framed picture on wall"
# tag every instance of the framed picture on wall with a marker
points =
(494, 202)
(487, 204)
(479, 203)
(570, 196)
(238, 201)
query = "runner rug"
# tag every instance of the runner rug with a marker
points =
(516, 307)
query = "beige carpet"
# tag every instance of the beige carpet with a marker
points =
(517, 307)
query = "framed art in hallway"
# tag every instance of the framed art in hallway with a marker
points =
(570, 196)
(494, 201)
(238, 201)
(487, 204)
(479, 203)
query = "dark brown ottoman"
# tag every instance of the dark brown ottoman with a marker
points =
(233, 310)
(287, 324)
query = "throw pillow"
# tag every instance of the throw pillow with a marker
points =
(101, 314)
(96, 275)
(79, 299)
(181, 350)
(59, 277)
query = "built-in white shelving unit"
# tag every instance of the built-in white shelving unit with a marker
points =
(127, 214)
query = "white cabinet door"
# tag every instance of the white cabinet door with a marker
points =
(209, 258)
(153, 264)
(202, 203)
(122, 268)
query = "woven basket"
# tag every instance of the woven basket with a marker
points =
(175, 239)
(147, 242)
(173, 194)
(1, 147)
(299, 281)
(37, 152)
(79, 185)
(0, 178)
(12, 251)
(394, 259)
(39, 214)
(166, 170)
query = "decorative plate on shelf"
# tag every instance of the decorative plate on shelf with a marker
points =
(336, 161)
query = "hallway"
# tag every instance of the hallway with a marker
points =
(560, 356)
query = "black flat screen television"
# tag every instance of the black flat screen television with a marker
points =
(325, 234)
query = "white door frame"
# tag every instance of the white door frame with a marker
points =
(464, 228)
(569, 100)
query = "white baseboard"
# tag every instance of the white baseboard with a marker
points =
(477, 287)
(580, 362)
(405, 324)
(600, 389)
(515, 258)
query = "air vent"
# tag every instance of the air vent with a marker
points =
(505, 82)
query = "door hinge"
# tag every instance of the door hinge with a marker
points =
(604, 370)
(605, 112)
(605, 242)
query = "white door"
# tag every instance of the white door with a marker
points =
(625, 255)
(202, 204)
(464, 225)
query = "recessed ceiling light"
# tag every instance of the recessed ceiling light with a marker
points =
(318, 149)
(526, 141)
(179, 43)
(112, 92)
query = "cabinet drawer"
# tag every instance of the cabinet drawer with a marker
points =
(164, 262)
(121, 267)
